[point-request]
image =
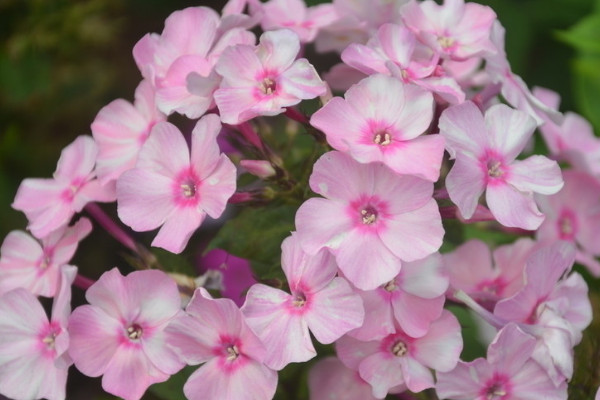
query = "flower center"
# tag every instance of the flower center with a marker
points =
(566, 226)
(268, 86)
(232, 352)
(399, 348)
(390, 286)
(45, 261)
(188, 189)
(299, 300)
(369, 215)
(495, 391)
(49, 340)
(382, 138)
(445, 41)
(494, 168)
(134, 332)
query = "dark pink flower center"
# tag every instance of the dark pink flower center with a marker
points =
(268, 86)
(497, 388)
(45, 260)
(399, 348)
(232, 352)
(390, 286)
(494, 168)
(567, 225)
(188, 189)
(368, 215)
(185, 189)
(134, 332)
(299, 300)
(382, 138)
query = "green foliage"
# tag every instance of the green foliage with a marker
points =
(173, 388)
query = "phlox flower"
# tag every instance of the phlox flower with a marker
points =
(121, 128)
(318, 301)
(214, 332)
(508, 373)
(50, 203)
(179, 62)
(294, 15)
(573, 215)
(173, 189)
(399, 359)
(395, 51)
(486, 148)
(371, 218)
(33, 349)
(382, 119)
(455, 30)
(120, 334)
(35, 266)
(412, 300)
(265, 79)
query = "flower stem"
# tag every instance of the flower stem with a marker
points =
(110, 226)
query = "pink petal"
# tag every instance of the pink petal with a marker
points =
(278, 49)
(465, 184)
(205, 150)
(426, 278)
(183, 26)
(463, 128)
(417, 377)
(329, 379)
(513, 208)
(191, 339)
(322, 223)
(301, 81)
(381, 373)
(441, 346)
(165, 152)
(415, 314)
(511, 349)
(536, 174)
(178, 229)
(351, 351)
(415, 234)
(235, 104)
(364, 59)
(335, 310)
(421, 156)
(500, 119)
(379, 319)
(77, 159)
(402, 193)
(218, 187)
(325, 179)
(239, 67)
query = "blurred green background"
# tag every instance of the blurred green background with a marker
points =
(61, 61)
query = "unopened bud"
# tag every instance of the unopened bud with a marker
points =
(261, 168)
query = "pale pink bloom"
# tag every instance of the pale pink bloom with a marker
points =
(120, 334)
(265, 79)
(175, 190)
(556, 306)
(573, 140)
(33, 348)
(399, 359)
(180, 65)
(50, 203)
(329, 379)
(372, 219)
(395, 51)
(214, 332)
(412, 300)
(573, 215)
(513, 88)
(454, 29)
(508, 373)
(234, 273)
(486, 276)
(35, 266)
(120, 129)
(382, 119)
(319, 301)
(486, 148)
(294, 15)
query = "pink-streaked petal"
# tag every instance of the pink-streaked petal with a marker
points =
(364, 59)
(414, 314)
(335, 310)
(417, 377)
(381, 372)
(325, 179)
(158, 305)
(19, 257)
(144, 199)
(513, 208)
(205, 150)
(285, 332)
(252, 381)
(426, 278)
(366, 261)
(110, 294)
(465, 184)
(445, 87)
(183, 26)
(165, 152)
(160, 354)
(469, 265)
(302, 81)
(352, 351)
(416, 114)
(464, 130)
(322, 223)
(379, 319)
(511, 349)
(239, 67)
(536, 174)
(67, 242)
(216, 188)
(61, 306)
(178, 229)
(329, 379)
(464, 381)
(499, 120)
(440, 348)
(415, 234)
(235, 104)
(129, 373)
(94, 339)
(421, 156)
(192, 340)
(77, 159)
(380, 98)
(278, 49)
(402, 193)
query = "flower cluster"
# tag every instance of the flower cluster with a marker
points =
(427, 116)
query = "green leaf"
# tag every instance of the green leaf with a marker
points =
(585, 35)
(587, 83)
(173, 388)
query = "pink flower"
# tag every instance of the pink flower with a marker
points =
(486, 149)
(120, 334)
(573, 215)
(169, 187)
(509, 372)
(372, 219)
(319, 301)
(33, 349)
(395, 51)
(265, 79)
(120, 129)
(50, 203)
(454, 29)
(382, 119)
(180, 66)
(412, 300)
(213, 331)
(27, 264)
(294, 15)
(400, 359)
